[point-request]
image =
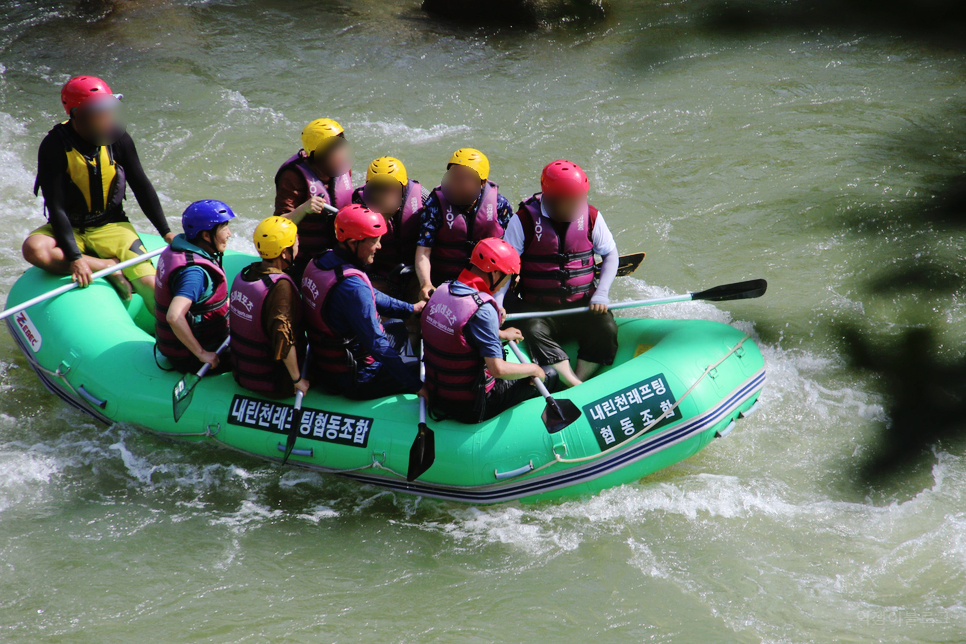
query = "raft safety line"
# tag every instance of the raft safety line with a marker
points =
(583, 459)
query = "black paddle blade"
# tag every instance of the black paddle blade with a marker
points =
(182, 394)
(736, 291)
(629, 263)
(422, 454)
(289, 442)
(559, 414)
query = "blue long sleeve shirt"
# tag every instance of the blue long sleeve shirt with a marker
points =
(350, 312)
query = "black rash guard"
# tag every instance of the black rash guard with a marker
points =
(54, 182)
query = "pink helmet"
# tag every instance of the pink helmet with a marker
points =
(357, 222)
(84, 90)
(493, 254)
(564, 179)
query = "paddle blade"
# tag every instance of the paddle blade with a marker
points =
(736, 291)
(182, 394)
(629, 263)
(422, 454)
(559, 414)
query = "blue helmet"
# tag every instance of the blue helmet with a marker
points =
(204, 215)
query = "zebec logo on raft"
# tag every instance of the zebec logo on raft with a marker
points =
(29, 331)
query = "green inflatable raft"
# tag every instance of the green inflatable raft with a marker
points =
(674, 387)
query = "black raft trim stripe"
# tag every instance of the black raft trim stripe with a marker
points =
(576, 474)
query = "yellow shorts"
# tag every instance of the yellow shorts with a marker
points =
(118, 240)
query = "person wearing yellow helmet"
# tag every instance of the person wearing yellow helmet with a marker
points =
(265, 315)
(392, 193)
(465, 208)
(320, 173)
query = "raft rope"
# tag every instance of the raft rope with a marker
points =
(378, 465)
(583, 459)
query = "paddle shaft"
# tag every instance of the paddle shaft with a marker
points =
(70, 287)
(542, 388)
(207, 366)
(614, 307)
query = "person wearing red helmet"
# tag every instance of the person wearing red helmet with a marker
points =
(467, 376)
(353, 353)
(83, 167)
(557, 234)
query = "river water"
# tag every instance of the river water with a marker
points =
(724, 157)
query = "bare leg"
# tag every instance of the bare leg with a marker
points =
(566, 373)
(42, 251)
(586, 370)
(144, 286)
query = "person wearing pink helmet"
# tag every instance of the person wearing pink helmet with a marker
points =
(467, 376)
(557, 234)
(353, 353)
(83, 167)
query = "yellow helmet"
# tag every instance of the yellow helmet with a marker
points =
(387, 168)
(473, 159)
(273, 235)
(319, 134)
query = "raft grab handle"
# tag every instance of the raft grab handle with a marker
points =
(500, 476)
(297, 452)
(97, 402)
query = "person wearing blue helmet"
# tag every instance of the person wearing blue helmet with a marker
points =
(191, 290)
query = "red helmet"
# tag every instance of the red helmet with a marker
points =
(356, 222)
(564, 179)
(493, 254)
(84, 90)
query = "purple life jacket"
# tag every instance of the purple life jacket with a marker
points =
(399, 242)
(455, 371)
(557, 262)
(251, 348)
(332, 352)
(316, 231)
(458, 234)
(208, 319)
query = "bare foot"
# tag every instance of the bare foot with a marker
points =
(121, 285)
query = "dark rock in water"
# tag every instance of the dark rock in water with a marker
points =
(518, 12)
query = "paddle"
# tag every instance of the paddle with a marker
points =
(60, 290)
(627, 264)
(184, 391)
(725, 292)
(422, 454)
(293, 431)
(558, 413)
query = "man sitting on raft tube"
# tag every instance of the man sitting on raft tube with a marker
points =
(465, 208)
(265, 316)
(398, 198)
(467, 377)
(320, 173)
(191, 290)
(83, 168)
(557, 234)
(353, 354)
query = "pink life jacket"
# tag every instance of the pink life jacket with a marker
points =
(399, 242)
(455, 372)
(557, 262)
(331, 351)
(458, 233)
(208, 319)
(251, 348)
(316, 232)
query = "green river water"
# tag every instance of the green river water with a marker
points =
(723, 157)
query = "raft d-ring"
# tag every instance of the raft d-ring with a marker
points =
(212, 432)
(556, 453)
(740, 351)
(713, 373)
(376, 461)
